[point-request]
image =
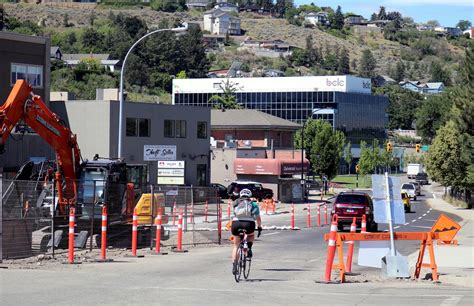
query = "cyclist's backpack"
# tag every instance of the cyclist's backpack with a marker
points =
(243, 208)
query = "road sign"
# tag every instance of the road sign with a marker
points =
(446, 228)
(379, 187)
(425, 148)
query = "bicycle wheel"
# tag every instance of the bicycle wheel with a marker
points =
(239, 264)
(248, 263)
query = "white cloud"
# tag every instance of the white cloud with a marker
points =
(432, 2)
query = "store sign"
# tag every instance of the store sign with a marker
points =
(159, 152)
(287, 168)
(177, 164)
(170, 172)
(165, 180)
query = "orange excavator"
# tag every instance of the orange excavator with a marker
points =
(22, 105)
(84, 184)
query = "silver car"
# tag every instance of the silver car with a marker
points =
(410, 189)
(417, 188)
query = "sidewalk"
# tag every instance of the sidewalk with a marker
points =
(455, 263)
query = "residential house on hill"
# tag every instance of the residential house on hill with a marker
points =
(227, 7)
(270, 48)
(354, 20)
(321, 18)
(254, 8)
(423, 88)
(470, 32)
(449, 31)
(198, 4)
(55, 53)
(73, 60)
(378, 23)
(218, 22)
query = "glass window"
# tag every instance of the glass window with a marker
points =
(131, 127)
(202, 129)
(144, 127)
(169, 128)
(180, 128)
(33, 74)
(201, 175)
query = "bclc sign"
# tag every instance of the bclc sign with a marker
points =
(341, 83)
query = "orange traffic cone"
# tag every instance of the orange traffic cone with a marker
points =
(331, 249)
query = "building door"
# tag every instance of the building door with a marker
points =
(201, 175)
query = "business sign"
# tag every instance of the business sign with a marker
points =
(170, 172)
(159, 152)
(171, 180)
(177, 164)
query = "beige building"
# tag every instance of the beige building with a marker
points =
(219, 22)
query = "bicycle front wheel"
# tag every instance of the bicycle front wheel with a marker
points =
(240, 255)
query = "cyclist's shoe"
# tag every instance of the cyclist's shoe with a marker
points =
(234, 268)
(249, 253)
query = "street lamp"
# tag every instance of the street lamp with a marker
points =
(122, 71)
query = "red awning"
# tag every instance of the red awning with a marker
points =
(261, 166)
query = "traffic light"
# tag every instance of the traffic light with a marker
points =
(389, 147)
(418, 148)
(357, 168)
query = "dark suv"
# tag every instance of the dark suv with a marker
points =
(257, 190)
(354, 204)
(422, 178)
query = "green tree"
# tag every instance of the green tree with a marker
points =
(444, 163)
(325, 144)
(382, 13)
(464, 24)
(366, 164)
(402, 107)
(399, 74)
(337, 19)
(228, 99)
(433, 23)
(439, 74)
(348, 157)
(344, 63)
(367, 64)
(432, 114)
(92, 40)
(193, 53)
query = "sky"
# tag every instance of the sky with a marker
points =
(447, 12)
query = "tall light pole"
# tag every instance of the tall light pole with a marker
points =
(122, 71)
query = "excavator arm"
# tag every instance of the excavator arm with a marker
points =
(22, 104)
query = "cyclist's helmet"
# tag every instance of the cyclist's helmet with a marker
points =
(245, 193)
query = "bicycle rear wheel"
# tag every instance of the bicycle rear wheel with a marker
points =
(240, 255)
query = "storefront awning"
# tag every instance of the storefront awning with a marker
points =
(261, 166)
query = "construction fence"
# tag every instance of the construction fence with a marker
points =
(32, 223)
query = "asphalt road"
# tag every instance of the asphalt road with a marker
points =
(287, 268)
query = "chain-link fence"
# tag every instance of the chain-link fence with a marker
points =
(32, 222)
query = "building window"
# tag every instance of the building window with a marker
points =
(201, 175)
(169, 128)
(138, 127)
(202, 129)
(33, 74)
(180, 128)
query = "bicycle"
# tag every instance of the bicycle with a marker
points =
(243, 262)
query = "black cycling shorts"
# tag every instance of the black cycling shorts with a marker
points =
(249, 226)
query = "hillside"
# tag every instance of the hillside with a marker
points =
(386, 53)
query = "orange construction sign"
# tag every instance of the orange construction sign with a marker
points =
(446, 229)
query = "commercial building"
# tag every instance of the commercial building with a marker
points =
(153, 133)
(251, 145)
(344, 101)
(24, 57)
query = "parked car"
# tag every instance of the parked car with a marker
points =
(258, 191)
(410, 189)
(221, 190)
(348, 205)
(422, 177)
(406, 202)
(417, 188)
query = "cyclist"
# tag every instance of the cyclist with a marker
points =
(246, 212)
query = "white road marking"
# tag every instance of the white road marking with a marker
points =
(452, 300)
(424, 215)
(420, 226)
(434, 196)
(274, 233)
(431, 220)
(419, 218)
(312, 292)
(413, 221)
(406, 224)
(396, 227)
